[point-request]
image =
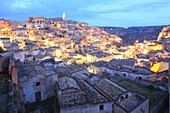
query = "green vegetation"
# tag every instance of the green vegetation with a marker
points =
(4, 88)
(154, 94)
(3, 84)
(45, 105)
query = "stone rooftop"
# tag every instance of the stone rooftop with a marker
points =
(78, 92)
(100, 54)
(126, 70)
(75, 68)
(67, 83)
(33, 68)
(126, 62)
(99, 63)
(143, 56)
(115, 65)
(131, 102)
(142, 70)
(92, 94)
(26, 69)
(112, 90)
(106, 64)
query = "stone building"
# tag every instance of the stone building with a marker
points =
(77, 96)
(20, 32)
(6, 43)
(36, 21)
(4, 28)
(35, 81)
(4, 23)
(135, 72)
(124, 101)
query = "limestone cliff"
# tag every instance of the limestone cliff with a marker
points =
(165, 33)
(131, 34)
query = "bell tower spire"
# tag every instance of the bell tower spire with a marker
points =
(64, 16)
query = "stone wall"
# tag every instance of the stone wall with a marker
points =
(142, 108)
(118, 109)
(159, 105)
(107, 108)
(46, 87)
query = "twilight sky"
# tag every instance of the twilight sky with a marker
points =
(121, 13)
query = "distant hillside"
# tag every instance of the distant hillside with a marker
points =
(129, 35)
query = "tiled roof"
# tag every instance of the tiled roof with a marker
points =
(85, 93)
(108, 87)
(126, 62)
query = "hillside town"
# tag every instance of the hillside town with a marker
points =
(55, 65)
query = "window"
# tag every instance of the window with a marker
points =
(101, 107)
(140, 78)
(126, 96)
(38, 83)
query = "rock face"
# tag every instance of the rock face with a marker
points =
(165, 33)
(131, 34)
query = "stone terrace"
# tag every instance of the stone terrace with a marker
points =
(131, 102)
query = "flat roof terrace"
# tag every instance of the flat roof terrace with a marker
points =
(131, 102)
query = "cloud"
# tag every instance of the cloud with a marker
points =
(128, 6)
(18, 4)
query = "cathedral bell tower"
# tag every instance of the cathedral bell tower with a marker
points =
(64, 16)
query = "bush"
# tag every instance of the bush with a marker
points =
(151, 87)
